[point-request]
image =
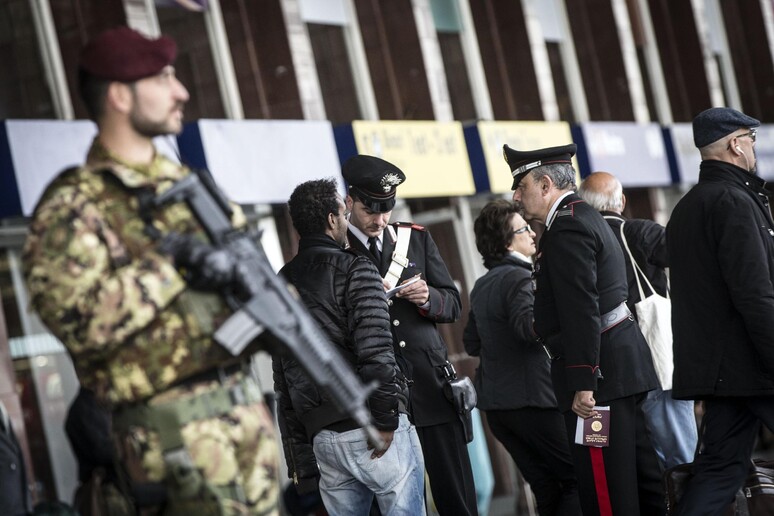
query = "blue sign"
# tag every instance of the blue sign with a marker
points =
(634, 153)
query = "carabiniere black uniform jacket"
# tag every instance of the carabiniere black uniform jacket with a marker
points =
(419, 348)
(580, 275)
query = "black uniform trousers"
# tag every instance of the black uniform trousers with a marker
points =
(630, 477)
(448, 465)
(730, 428)
(537, 441)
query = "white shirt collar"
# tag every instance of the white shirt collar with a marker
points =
(552, 211)
(364, 238)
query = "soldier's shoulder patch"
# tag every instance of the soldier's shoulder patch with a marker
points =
(409, 225)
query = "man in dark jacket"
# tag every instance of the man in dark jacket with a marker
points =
(513, 378)
(720, 240)
(344, 294)
(402, 251)
(671, 423)
(600, 358)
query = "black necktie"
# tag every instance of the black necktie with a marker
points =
(374, 248)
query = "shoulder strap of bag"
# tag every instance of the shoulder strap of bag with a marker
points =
(637, 271)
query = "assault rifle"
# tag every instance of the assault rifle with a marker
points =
(272, 304)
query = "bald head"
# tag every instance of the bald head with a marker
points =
(603, 191)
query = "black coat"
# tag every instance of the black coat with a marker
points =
(580, 275)
(514, 371)
(418, 344)
(344, 294)
(647, 242)
(720, 240)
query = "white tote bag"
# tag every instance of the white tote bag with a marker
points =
(654, 314)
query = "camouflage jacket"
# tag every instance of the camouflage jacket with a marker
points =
(95, 278)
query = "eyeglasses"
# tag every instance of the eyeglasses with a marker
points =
(521, 230)
(753, 134)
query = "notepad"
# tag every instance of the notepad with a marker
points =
(397, 288)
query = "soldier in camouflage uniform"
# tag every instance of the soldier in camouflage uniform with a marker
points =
(140, 337)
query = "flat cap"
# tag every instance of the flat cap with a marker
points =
(713, 124)
(123, 54)
(522, 162)
(373, 181)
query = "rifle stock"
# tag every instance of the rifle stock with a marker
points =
(273, 305)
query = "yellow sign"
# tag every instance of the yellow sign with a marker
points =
(433, 155)
(520, 136)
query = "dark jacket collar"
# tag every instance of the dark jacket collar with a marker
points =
(318, 240)
(713, 170)
(612, 214)
(508, 259)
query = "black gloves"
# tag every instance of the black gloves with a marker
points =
(206, 267)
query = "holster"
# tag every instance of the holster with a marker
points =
(462, 394)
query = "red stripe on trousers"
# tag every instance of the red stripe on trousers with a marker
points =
(600, 481)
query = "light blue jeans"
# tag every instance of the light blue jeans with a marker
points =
(350, 478)
(672, 427)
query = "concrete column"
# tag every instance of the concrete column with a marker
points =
(572, 72)
(653, 62)
(701, 11)
(473, 63)
(303, 62)
(543, 74)
(631, 63)
(433, 59)
(52, 59)
(359, 64)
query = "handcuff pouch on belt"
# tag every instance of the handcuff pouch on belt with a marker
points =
(462, 394)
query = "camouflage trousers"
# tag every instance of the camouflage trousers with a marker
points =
(234, 454)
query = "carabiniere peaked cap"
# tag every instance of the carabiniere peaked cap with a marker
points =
(522, 162)
(373, 181)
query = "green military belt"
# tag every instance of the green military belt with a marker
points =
(168, 418)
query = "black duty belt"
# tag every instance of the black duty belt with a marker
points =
(615, 316)
(608, 321)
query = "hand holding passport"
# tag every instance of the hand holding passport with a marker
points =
(595, 429)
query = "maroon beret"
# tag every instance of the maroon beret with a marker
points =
(123, 54)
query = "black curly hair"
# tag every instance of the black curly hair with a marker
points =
(493, 230)
(311, 202)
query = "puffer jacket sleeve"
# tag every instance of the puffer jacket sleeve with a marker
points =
(299, 454)
(369, 324)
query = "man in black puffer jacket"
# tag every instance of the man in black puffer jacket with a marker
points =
(344, 294)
